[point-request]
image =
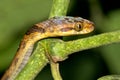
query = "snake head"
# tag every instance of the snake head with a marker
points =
(64, 26)
(74, 25)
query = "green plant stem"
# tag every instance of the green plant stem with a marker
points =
(59, 8)
(60, 49)
(55, 71)
(110, 77)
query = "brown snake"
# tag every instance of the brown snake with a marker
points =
(56, 26)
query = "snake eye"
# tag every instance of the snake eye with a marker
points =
(78, 27)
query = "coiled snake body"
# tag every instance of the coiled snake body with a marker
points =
(56, 26)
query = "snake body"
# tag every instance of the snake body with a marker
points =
(53, 27)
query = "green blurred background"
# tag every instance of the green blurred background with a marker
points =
(17, 16)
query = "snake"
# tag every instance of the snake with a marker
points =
(53, 27)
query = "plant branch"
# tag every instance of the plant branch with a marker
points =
(60, 49)
(55, 71)
(59, 8)
(110, 77)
